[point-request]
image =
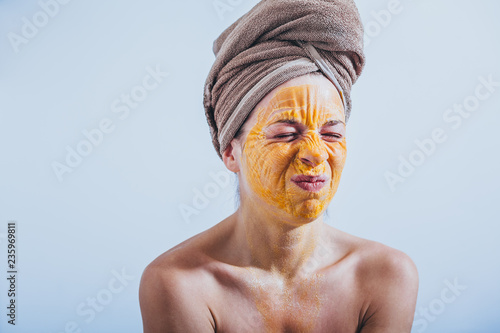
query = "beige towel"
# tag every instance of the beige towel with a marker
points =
(265, 48)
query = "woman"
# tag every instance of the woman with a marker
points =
(274, 265)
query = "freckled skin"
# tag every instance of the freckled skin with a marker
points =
(274, 266)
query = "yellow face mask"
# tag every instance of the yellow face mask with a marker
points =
(294, 155)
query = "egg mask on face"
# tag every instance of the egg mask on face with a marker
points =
(299, 133)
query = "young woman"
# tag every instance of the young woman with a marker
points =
(277, 111)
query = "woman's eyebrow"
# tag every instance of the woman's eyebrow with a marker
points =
(333, 122)
(287, 121)
(295, 122)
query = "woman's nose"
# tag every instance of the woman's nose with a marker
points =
(312, 153)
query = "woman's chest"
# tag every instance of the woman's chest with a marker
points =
(313, 305)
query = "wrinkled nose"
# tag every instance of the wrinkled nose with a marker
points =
(312, 153)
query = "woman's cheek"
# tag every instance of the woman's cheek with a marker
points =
(272, 162)
(337, 160)
(257, 162)
(267, 164)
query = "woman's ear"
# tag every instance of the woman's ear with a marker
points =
(231, 156)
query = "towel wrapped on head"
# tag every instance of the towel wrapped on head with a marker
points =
(278, 40)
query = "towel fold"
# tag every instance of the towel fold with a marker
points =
(265, 48)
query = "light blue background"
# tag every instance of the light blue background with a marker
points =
(120, 208)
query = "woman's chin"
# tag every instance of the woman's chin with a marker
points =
(309, 209)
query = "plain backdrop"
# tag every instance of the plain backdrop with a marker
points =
(153, 179)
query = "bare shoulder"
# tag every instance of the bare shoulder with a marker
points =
(386, 266)
(375, 261)
(388, 281)
(172, 269)
(171, 293)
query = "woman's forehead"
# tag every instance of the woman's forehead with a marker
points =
(308, 97)
(312, 79)
(309, 93)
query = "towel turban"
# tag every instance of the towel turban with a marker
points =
(278, 40)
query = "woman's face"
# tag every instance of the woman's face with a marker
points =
(297, 130)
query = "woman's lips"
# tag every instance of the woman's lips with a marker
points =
(310, 183)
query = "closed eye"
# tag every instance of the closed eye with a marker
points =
(289, 136)
(332, 137)
(285, 135)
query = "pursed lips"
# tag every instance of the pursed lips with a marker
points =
(310, 183)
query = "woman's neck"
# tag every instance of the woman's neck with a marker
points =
(274, 242)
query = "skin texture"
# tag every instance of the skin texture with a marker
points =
(274, 265)
(275, 151)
